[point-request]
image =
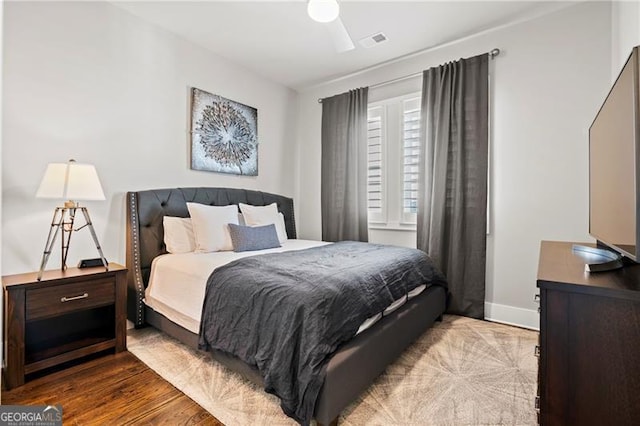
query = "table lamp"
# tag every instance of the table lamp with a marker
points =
(71, 182)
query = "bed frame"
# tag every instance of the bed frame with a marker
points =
(351, 369)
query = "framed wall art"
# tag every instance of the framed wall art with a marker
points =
(224, 135)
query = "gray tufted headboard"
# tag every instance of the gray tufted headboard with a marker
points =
(145, 232)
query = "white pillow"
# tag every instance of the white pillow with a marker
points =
(178, 234)
(210, 226)
(265, 215)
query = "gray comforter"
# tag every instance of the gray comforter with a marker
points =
(286, 313)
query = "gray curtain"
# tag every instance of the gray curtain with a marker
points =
(344, 166)
(452, 199)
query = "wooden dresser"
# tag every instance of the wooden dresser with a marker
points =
(589, 341)
(66, 316)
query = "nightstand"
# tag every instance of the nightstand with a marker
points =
(67, 315)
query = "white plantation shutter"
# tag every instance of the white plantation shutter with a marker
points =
(375, 164)
(393, 146)
(411, 151)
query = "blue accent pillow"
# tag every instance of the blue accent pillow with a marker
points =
(249, 238)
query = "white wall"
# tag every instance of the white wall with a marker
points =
(1, 80)
(548, 83)
(403, 238)
(625, 29)
(87, 80)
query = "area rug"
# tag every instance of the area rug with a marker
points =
(460, 372)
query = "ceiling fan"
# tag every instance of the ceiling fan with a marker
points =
(328, 12)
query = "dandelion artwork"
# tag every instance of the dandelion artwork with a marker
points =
(224, 135)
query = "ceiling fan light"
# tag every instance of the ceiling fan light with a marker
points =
(323, 10)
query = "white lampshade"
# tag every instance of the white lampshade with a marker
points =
(323, 10)
(70, 181)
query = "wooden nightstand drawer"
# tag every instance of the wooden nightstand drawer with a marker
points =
(65, 298)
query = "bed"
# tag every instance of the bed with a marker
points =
(350, 369)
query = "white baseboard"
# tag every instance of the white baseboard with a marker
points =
(526, 318)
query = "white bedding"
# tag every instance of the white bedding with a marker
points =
(177, 283)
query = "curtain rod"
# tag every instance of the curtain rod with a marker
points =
(492, 54)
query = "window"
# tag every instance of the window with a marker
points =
(375, 187)
(411, 146)
(393, 141)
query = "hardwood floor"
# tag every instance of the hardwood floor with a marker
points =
(113, 389)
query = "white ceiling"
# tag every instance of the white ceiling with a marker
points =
(278, 40)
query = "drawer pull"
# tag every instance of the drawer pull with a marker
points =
(536, 298)
(70, 299)
(536, 351)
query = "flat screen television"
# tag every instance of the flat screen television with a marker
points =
(613, 165)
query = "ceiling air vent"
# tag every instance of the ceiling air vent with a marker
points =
(373, 40)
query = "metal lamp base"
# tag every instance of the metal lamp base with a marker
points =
(63, 220)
